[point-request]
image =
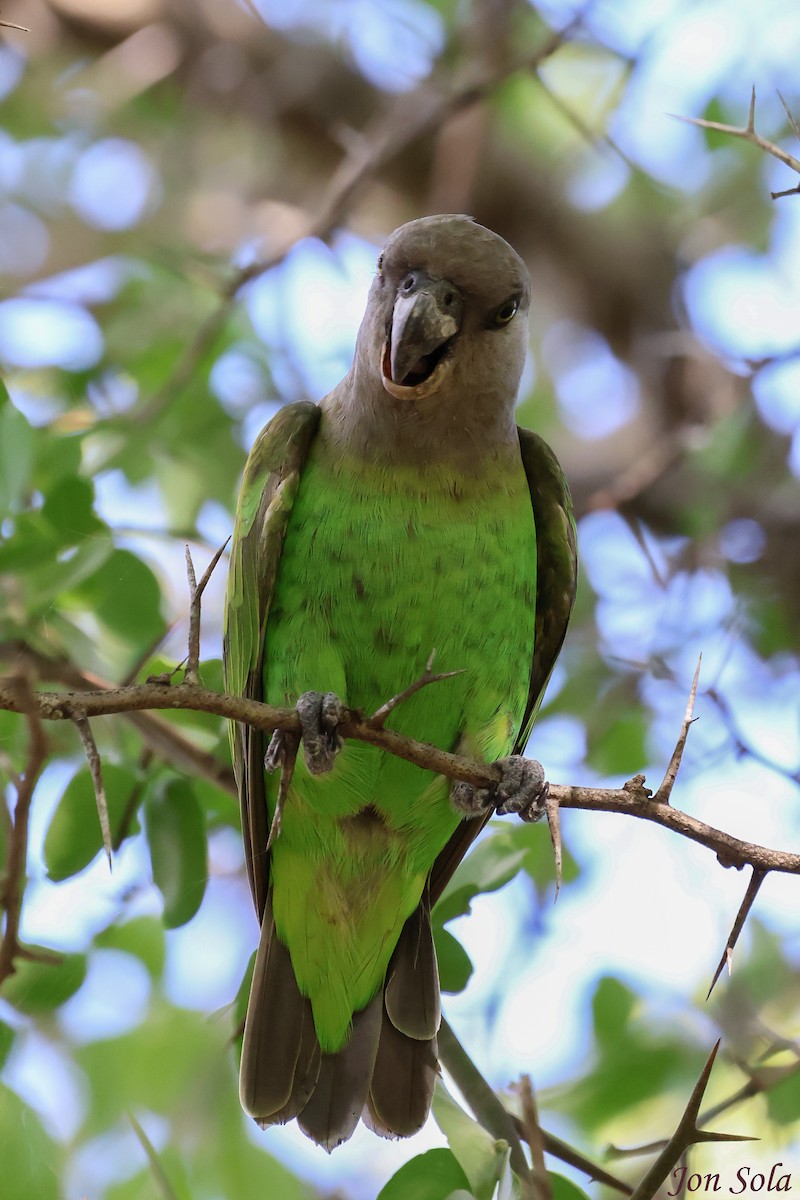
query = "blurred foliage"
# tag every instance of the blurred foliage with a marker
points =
(150, 150)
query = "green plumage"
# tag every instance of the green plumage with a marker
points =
(376, 571)
(403, 515)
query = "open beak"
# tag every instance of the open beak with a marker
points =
(426, 317)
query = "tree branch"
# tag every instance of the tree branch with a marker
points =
(411, 117)
(632, 799)
(13, 882)
(748, 134)
(687, 1134)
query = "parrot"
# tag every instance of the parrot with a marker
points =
(404, 514)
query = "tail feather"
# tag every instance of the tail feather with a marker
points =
(280, 1054)
(332, 1113)
(412, 981)
(402, 1085)
(386, 1071)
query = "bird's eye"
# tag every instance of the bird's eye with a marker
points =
(506, 312)
(379, 267)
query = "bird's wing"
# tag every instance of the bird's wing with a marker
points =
(556, 582)
(271, 476)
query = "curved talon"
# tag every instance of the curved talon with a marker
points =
(320, 715)
(276, 751)
(535, 810)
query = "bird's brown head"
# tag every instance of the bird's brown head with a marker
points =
(446, 314)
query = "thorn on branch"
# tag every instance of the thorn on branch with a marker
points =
(668, 782)
(540, 1188)
(81, 723)
(192, 672)
(748, 134)
(756, 880)
(553, 813)
(378, 718)
(687, 1134)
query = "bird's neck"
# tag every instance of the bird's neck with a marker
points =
(365, 423)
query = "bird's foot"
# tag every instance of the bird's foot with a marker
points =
(321, 714)
(522, 790)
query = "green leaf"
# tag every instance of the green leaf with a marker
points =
(6, 1041)
(564, 1189)
(69, 507)
(31, 1160)
(783, 1100)
(483, 1159)
(125, 595)
(490, 865)
(618, 746)
(16, 456)
(455, 965)
(74, 837)
(36, 988)
(434, 1175)
(507, 849)
(176, 835)
(612, 1007)
(142, 937)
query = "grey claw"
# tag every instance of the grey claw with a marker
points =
(469, 800)
(276, 751)
(536, 809)
(320, 715)
(522, 790)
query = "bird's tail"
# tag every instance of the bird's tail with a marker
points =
(386, 1070)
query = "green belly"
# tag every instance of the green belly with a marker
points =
(376, 573)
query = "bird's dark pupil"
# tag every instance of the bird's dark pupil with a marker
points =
(408, 283)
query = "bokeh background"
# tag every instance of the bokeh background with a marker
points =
(192, 198)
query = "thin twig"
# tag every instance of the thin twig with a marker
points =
(540, 1180)
(668, 782)
(81, 723)
(632, 799)
(13, 884)
(756, 880)
(156, 1166)
(494, 1116)
(159, 734)
(740, 746)
(790, 115)
(411, 117)
(192, 675)
(378, 718)
(481, 1098)
(748, 134)
(761, 1081)
(590, 135)
(687, 1134)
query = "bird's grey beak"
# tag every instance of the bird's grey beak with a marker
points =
(427, 314)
